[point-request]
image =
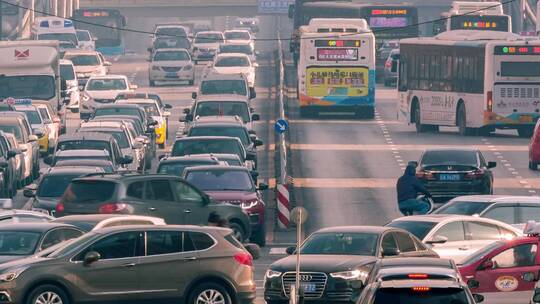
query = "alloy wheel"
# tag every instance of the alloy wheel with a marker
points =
(210, 296)
(48, 297)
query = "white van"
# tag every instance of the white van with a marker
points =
(54, 28)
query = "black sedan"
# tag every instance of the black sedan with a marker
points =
(447, 173)
(336, 262)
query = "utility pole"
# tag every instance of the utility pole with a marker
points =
(1, 21)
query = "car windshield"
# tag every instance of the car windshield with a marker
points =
(69, 246)
(243, 49)
(75, 157)
(177, 43)
(208, 38)
(33, 116)
(60, 37)
(150, 108)
(120, 136)
(237, 132)
(338, 243)
(84, 144)
(67, 72)
(227, 108)
(171, 31)
(88, 191)
(171, 56)
(83, 36)
(212, 87)
(13, 242)
(191, 147)
(413, 296)
(13, 129)
(106, 84)
(419, 228)
(479, 254)
(232, 62)
(221, 180)
(54, 185)
(240, 35)
(117, 111)
(178, 168)
(84, 60)
(464, 158)
(463, 208)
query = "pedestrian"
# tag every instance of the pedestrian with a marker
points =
(408, 187)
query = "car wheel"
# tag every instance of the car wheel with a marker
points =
(47, 294)
(533, 166)
(238, 231)
(462, 122)
(259, 237)
(210, 293)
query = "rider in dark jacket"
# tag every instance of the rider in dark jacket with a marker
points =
(408, 188)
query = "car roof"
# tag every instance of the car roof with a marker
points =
(10, 119)
(220, 55)
(136, 100)
(453, 149)
(222, 156)
(213, 75)
(355, 229)
(78, 136)
(216, 168)
(85, 162)
(82, 152)
(225, 121)
(415, 261)
(102, 124)
(208, 229)
(66, 61)
(95, 217)
(25, 107)
(172, 50)
(188, 158)
(119, 105)
(108, 76)
(73, 170)
(237, 43)
(222, 98)
(32, 226)
(208, 32)
(81, 52)
(437, 218)
(207, 138)
(497, 199)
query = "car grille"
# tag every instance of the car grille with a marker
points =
(171, 69)
(104, 100)
(510, 92)
(317, 278)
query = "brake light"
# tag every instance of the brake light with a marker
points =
(475, 174)
(421, 289)
(112, 208)
(244, 258)
(490, 101)
(60, 207)
(425, 175)
(418, 276)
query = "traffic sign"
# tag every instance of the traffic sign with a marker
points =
(299, 215)
(274, 6)
(281, 126)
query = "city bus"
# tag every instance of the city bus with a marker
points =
(470, 15)
(336, 70)
(476, 80)
(104, 24)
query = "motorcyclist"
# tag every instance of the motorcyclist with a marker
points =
(408, 188)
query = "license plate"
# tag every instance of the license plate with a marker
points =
(449, 177)
(525, 118)
(170, 74)
(308, 287)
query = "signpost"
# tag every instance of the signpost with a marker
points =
(274, 6)
(281, 126)
(298, 216)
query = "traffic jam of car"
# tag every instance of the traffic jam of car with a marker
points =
(112, 191)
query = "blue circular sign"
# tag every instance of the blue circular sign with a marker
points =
(281, 126)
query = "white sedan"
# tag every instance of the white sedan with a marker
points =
(171, 66)
(100, 90)
(234, 63)
(455, 236)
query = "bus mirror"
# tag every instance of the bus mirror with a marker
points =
(291, 11)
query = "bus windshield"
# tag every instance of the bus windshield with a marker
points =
(107, 29)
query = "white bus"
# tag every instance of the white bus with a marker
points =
(336, 71)
(474, 15)
(478, 81)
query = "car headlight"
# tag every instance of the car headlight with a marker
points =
(270, 274)
(11, 275)
(188, 67)
(349, 275)
(85, 97)
(249, 204)
(155, 68)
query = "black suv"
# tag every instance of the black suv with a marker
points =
(165, 196)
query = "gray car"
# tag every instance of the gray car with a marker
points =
(178, 264)
(165, 196)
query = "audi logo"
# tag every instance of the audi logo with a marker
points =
(305, 277)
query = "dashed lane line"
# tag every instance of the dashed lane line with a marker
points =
(382, 147)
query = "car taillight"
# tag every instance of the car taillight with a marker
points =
(421, 289)
(112, 208)
(244, 258)
(425, 175)
(60, 207)
(417, 276)
(489, 101)
(475, 174)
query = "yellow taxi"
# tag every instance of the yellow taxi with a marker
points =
(36, 122)
(51, 121)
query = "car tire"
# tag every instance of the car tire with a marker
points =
(259, 236)
(209, 293)
(420, 128)
(48, 294)
(238, 231)
(533, 166)
(461, 122)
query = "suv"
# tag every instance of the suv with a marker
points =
(90, 141)
(165, 196)
(110, 265)
(233, 185)
(205, 45)
(224, 84)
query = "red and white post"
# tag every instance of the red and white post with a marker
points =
(283, 206)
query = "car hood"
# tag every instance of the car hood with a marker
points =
(212, 46)
(20, 261)
(231, 196)
(9, 258)
(170, 63)
(87, 69)
(110, 94)
(233, 70)
(322, 262)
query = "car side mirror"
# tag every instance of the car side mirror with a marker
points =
(290, 250)
(48, 160)
(390, 252)
(63, 94)
(152, 123)
(32, 138)
(193, 95)
(12, 153)
(250, 156)
(254, 250)
(258, 142)
(206, 199)
(263, 186)
(487, 265)
(167, 106)
(38, 132)
(252, 132)
(63, 85)
(126, 160)
(255, 65)
(107, 63)
(166, 113)
(472, 283)
(403, 88)
(252, 93)
(438, 239)
(30, 191)
(255, 117)
(491, 164)
(290, 11)
(186, 111)
(188, 117)
(91, 257)
(478, 298)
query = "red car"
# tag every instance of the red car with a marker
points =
(534, 148)
(505, 271)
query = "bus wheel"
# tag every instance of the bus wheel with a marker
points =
(525, 132)
(419, 126)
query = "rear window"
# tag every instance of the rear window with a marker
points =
(463, 208)
(231, 239)
(178, 168)
(237, 132)
(467, 158)
(191, 147)
(429, 296)
(89, 191)
(418, 228)
(84, 144)
(212, 87)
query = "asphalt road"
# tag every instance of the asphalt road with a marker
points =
(344, 169)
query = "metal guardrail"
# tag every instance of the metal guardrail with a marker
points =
(165, 3)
